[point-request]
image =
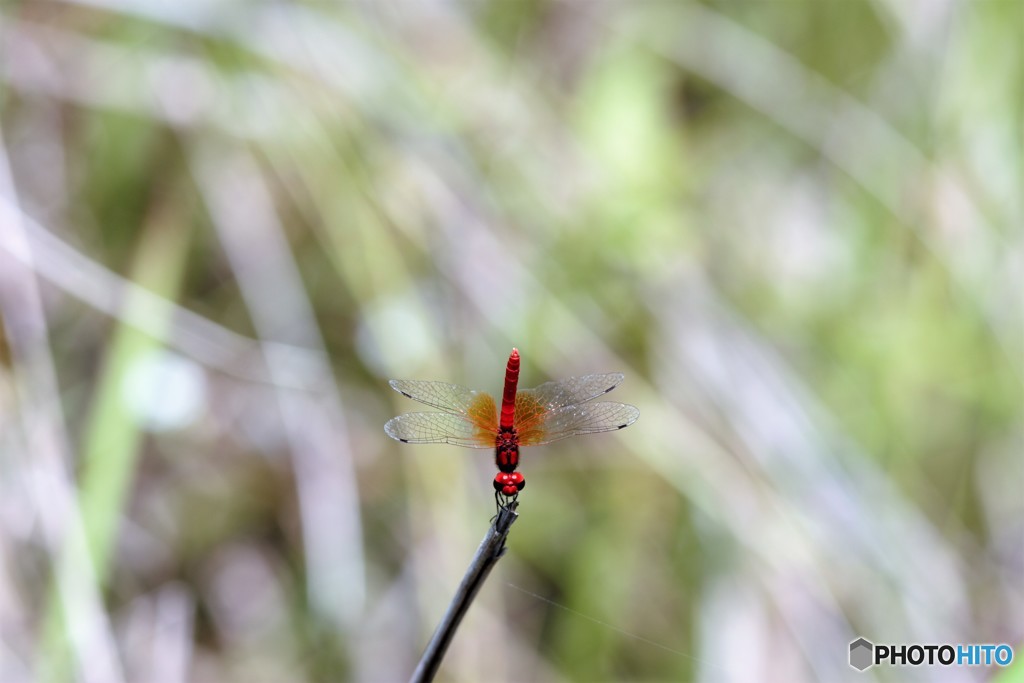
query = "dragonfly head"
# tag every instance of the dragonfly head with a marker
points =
(509, 483)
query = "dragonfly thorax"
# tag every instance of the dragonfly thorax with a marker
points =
(506, 449)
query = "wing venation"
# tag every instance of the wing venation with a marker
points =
(582, 418)
(451, 398)
(438, 428)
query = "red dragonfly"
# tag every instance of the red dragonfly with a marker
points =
(530, 417)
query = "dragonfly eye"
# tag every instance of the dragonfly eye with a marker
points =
(509, 483)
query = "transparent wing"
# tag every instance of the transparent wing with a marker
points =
(572, 390)
(471, 418)
(451, 398)
(583, 418)
(438, 428)
(533, 405)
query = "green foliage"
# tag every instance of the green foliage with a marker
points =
(795, 226)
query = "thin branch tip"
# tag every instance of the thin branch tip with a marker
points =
(491, 549)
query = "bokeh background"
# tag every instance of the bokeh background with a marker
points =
(794, 225)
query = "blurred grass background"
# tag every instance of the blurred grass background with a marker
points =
(794, 225)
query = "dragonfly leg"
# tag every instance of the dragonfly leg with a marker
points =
(502, 501)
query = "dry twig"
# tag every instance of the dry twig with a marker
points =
(487, 555)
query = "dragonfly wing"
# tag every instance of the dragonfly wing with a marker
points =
(585, 418)
(572, 390)
(470, 417)
(451, 398)
(438, 428)
(534, 405)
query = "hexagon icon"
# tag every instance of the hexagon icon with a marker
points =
(861, 654)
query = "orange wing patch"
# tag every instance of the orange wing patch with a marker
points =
(529, 420)
(484, 414)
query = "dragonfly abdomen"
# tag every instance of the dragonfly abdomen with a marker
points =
(508, 396)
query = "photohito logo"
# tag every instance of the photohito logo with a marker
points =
(864, 654)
